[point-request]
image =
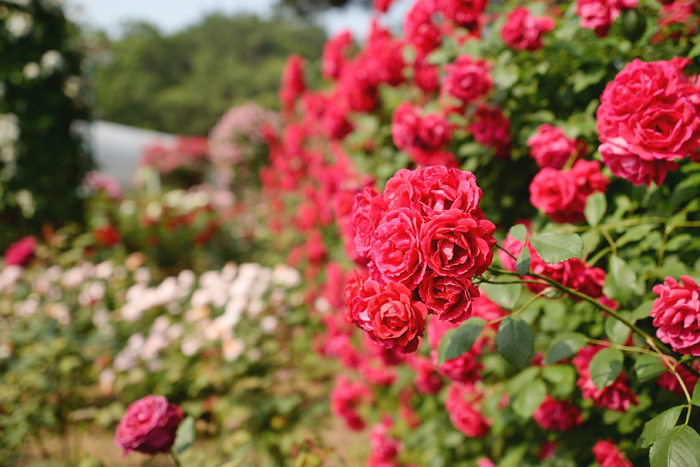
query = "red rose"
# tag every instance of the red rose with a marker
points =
(490, 127)
(463, 369)
(457, 244)
(357, 292)
(418, 28)
(426, 76)
(357, 89)
(669, 382)
(424, 158)
(523, 31)
(676, 314)
(404, 126)
(19, 252)
(468, 79)
(648, 111)
(450, 299)
(461, 405)
(609, 455)
(382, 5)
(368, 211)
(555, 415)
(345, 397)
(334, 54)
(468, 14)
(617, 396)
(442, 189)
(396, 248)
(622, 163)
(382, 60)
(293, 84)
(433, 132)
(402, 190)
(148, 426)
(550, 147)
(562, 195)
(427, 380)
(397, 321)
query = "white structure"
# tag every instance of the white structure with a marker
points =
(116, 148)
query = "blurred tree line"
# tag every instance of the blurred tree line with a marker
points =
(183, 82)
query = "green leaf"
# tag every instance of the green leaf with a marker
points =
(642, 311)
(518, 232)
(621, 283)
(515, 342)
(555, 248)
(695, 51)
(696, 395)
(659, 426)
(596, 205)
(186, 435)
(564, 346)
(680, 447)
(616, 330)
(529, 399)
(562, 378)
(523, 263)
(505, 295)
(649, 366)
(582, 80)
(460, 341)
(605, 367)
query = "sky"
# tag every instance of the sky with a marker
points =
(173, 15)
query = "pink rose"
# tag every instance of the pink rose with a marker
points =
(450, 299)
(402, 190)
(468, 79)
(622, 163)
(556, 415)
(458, 244)
(19, 252)
(404, 126)
(676, 314)
(397, 321)
(550, 147)
(148, 426)
(396, 248)
(433, 132)
(523, 31)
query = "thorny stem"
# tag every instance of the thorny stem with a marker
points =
(508, 252)
(661, 348)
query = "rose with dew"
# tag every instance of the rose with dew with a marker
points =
(148, 426)
(676, 314)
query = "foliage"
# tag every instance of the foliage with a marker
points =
(43, 106)
(182, 83)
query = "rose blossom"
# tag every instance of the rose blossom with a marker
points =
(550, 147)
(397, 321)
(345, 397)
(468, 14)
(676, 314)
(462, 406)
(562, 195)
(396, 248)
(382, 5)
(368, 211)
(669, 382)
(523, 31)
(402, 190)
(457, 244)
(463, 369)
(617, 396)
(648, 111)
(148, 426)
(490, 127)
(418, 28)
(334, 54)
(599, 15)
(468, 79)
(609, 455)
(441, 189)
(19, 252)
(293, 84)
(426, 76)
(450, 299)
(555, 415)
(427, 380)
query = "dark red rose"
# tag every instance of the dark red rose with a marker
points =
(468, 79)
(556, 415)
(523, 31)
(449, 298)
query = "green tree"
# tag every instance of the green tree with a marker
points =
(182, 83)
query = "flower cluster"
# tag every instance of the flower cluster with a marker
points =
(345, 398)
(599, 15)
(617, 396)
(609, 455)
(648, 120)
(425, 233)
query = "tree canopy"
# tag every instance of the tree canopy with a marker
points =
(183, 82)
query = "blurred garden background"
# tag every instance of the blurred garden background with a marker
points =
(393, 233)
